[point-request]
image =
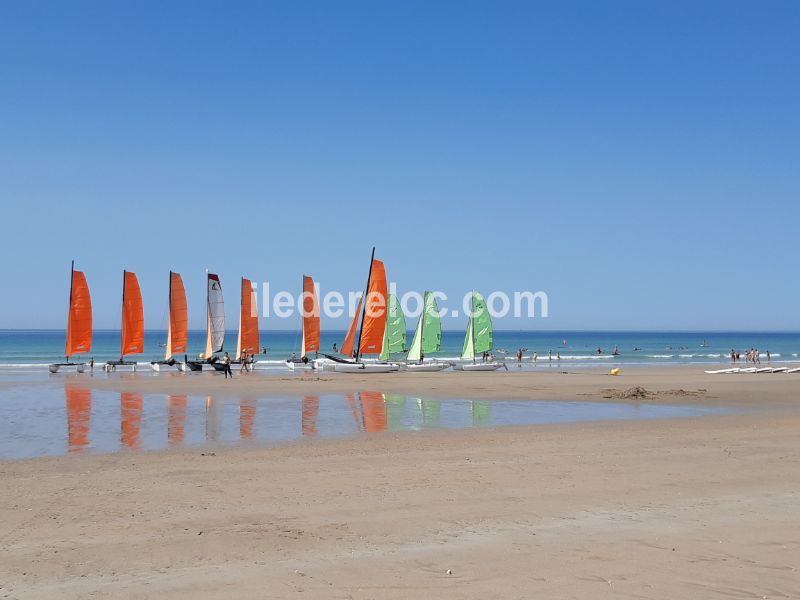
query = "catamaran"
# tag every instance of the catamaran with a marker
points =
(79, 322)
(215, 323)
(371, 312)
(427, 339)
(310, 341)
(478, 339)
(177, 327)
(132, 334)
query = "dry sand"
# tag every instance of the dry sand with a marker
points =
(683, 508)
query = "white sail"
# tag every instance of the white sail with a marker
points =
(216, 317)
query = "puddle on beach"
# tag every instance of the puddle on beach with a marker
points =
(69, 418)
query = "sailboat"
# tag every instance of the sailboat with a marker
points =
(394, 338)
(215, 323)
(177, 327)
(247, 341)
(79, 321)
(132, 334)
(427, 339)
(371, 312)
(310, 315)
(478, 338)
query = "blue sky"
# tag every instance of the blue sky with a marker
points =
(637, 161)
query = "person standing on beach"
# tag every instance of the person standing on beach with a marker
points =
(535, 356)
(335, 348)
(733, 356)
(226, 366)
(756, 357)
(519, 356)
(243, 361)
(550, 356)
(769, 356)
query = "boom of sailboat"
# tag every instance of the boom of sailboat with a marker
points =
(375, 341)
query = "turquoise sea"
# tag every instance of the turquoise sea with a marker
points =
(33, 349)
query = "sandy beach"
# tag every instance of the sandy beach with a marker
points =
(679, 508)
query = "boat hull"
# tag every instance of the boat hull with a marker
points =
(432, 367)
(487, 366)
(365, 368)
(301, 366)
(56, 367)
(158, 367)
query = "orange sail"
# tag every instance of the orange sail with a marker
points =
(374, 325)
(132, 316)
(131, 405)
(79, 410)
(178, 333)
(248, 321)
(79, 322)
(310, 317)
(349, 339)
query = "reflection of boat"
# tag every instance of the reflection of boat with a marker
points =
(478, 339)
(132, 334)
(215, 323)
(247, 417)
(373, 326)
(427, 339)
(310, 342)
(79, 411)
(79, 322)
(131, 405)
(177, 326)
(310, 412)
(176, 420)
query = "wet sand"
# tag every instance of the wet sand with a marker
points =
(682, 508)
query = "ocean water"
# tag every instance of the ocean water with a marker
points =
(26, 349)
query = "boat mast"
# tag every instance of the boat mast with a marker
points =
(472, 322)
(364, 308)
(169, 319)
(122, 322)
(69, 309)
(422, 329)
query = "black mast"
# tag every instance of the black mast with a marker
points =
(364, 308)
(122, 321)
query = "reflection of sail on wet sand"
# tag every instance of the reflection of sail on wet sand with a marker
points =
(431, 411)
(176, 420)
(213, 419)
(355, 409)
(481, 412)
(395, 407)
(130, 419)
(310, 412)
(373, 411)
(247, 417)
(79, 410)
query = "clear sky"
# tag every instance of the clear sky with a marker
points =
(638, 161)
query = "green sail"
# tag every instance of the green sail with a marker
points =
(432, 328)
(468, 352)
(394, 338)
(482, 324)
(428, 335)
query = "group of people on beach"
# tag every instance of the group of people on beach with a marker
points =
(751, 356)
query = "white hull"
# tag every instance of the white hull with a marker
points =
(161, 367)
(365, 368)
(79, 368)
(299, 366)
(431, 367)
(482, 366)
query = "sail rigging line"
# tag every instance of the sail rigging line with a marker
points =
(364, 308)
